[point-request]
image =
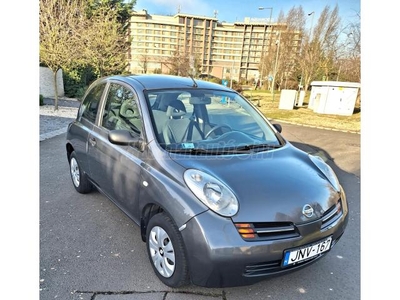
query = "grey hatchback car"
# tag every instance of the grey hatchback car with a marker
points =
(221, 197)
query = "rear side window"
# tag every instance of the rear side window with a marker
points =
(90, 104)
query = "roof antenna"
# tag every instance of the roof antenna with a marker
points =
(179, 9)
(194, 81)
(215, 13)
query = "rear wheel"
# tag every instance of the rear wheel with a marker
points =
(166, 251)
(79, 178)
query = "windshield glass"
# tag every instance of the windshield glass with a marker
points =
(208, 120)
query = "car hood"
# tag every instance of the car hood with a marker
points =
(271, 186)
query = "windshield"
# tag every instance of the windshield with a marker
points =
(208, 120)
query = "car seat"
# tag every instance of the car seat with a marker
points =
(159, 112)
(179, 128)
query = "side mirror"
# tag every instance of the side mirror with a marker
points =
(124, 137)
(278, 127)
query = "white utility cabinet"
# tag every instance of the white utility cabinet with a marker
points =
(333, 97)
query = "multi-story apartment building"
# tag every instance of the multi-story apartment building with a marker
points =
(222, 49)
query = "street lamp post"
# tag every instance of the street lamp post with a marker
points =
(270, 22)
(231, 73)
(312, 20)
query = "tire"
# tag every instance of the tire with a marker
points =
(79, 178)
(166, 251)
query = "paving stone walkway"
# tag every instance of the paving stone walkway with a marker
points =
(53, 123)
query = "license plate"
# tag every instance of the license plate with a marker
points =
(300, 254)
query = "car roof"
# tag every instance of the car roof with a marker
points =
(159, 81)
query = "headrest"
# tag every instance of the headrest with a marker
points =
(166, 100)
(129, 109)
(198, 100)
(176, 109)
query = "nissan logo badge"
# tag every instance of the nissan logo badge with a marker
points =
(308, 211)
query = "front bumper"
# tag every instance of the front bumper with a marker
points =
(219, 257)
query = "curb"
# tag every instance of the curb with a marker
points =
(49, 135)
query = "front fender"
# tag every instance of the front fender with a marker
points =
(162, 185)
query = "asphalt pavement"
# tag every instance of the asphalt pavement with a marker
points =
(90, 250)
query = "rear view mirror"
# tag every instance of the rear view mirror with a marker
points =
(278, 127)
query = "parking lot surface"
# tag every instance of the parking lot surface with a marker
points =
(90, 250)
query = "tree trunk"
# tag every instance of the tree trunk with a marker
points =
(55, 91)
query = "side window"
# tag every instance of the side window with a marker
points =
(121, 110)
(90, 104)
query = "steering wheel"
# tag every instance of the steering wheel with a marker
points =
(215, 128)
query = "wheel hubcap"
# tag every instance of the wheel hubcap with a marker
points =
(75, 172)
(162, 251)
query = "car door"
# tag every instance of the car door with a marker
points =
(86, 119)
(115, 168)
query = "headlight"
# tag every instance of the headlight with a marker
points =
(326, 170)
(212, 192)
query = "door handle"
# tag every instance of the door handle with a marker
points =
(92, 142)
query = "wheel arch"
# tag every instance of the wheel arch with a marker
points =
(148, 212)
(69, 149)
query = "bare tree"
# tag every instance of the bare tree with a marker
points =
(287, 60)
(143, 62)
(107, 46)
(282, 60)
(349, 60)
(326, 41)
(300, 55)
(320, 50)
(61, 25)
(318, 53)
(178, 64)
(266, 65)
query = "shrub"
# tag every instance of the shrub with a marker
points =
(41, 100)
(215, 80)
(76, 81)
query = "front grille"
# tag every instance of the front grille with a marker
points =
(282, 230)
(275, 231)
(267, 231)
(273, 267)
(262, 268)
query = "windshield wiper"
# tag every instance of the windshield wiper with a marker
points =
(258, 147)
(195, 151)
(219, 151)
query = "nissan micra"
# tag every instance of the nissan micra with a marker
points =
(220, 196)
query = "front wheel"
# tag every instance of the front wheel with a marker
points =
(79, 178)
(166, 251)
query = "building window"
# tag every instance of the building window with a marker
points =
(198, 22)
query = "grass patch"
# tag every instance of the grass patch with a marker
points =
(303, 115)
